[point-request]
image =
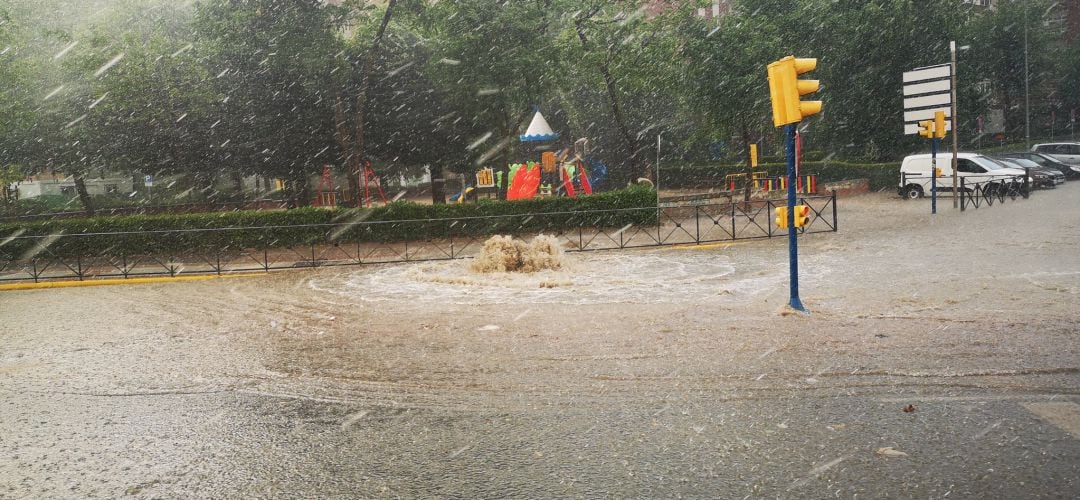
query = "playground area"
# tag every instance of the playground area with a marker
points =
(559, 169)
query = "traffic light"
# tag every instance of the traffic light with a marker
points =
(802, 215)
(927, 128)
(781, 217)
(939, 124)
(785, 89)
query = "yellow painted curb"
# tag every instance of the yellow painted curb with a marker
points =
(119, 281)
(709, 246)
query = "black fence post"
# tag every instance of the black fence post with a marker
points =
(768, 213)
(835, 224)
(450, 234)
(697, 224)
(1027, 183)
(963, 195)
(733, 238)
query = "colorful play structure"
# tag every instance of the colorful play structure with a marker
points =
(761, 181)
(568, 172)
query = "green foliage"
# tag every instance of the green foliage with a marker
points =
(399, 221)
(215, 88)
(712, 175)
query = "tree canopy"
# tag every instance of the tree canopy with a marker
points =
(277, 88)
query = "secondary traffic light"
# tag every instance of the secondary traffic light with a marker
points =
(781, 217)
(927, 128)
(802, 215)
(785, 89)
(939, 124)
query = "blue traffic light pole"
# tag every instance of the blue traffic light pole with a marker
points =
(793, 242)
(933, 175)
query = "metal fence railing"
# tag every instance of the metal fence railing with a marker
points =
(130, 254)
(988, 192)
(974, 190)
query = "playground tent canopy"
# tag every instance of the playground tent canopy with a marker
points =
(538, 130)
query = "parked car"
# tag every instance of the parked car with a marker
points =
(1041, 176)
(977, 171)
(1071, 171)
(1067, 152)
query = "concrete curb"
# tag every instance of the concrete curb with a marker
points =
(128, 281)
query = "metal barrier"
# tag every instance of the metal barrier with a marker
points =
(988, 192)
(92, 255)
(976, 190)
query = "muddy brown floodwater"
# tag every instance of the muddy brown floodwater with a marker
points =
(642, 373)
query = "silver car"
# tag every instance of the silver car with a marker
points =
(1067, 152)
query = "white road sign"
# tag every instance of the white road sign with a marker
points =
(926, 91)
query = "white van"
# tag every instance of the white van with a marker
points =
(915, 173)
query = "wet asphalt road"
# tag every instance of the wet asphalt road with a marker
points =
(414, 382)
(249, 445)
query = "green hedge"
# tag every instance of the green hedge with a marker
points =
(399, 221)
(712, 175)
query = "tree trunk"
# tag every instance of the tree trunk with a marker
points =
(84, 197)
(297, 192)
(361, 96)
(238, 182)
(341, 135)
(300, 190)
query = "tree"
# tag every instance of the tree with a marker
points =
(632, 62)
(1000, 39)
(494, 61)
(273, 61)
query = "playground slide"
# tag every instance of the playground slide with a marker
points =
(585, 185)
(460, 197)
(525, 183)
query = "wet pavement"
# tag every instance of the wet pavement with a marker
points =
(643, 373)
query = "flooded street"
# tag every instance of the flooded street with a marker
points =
(642, 373)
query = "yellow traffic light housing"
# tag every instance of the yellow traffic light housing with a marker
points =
(781, 217)
(939, 124)
(802, 215)
(785, 89)
(927, 128)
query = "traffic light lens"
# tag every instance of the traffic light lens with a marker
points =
(802, 65)
(808, 86)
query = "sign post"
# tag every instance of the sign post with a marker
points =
(933, 174)
(793, 239)
(148, 181)
(953, 123)
(785, 89)
(933, 130)
(929, 96)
